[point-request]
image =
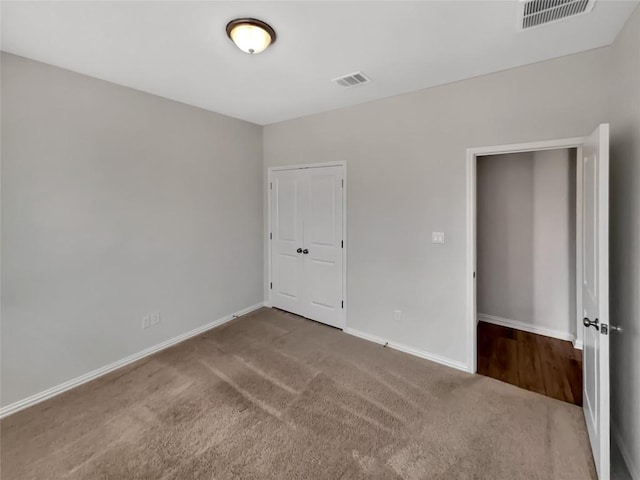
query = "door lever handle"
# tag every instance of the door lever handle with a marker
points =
(299, 250)
(305, 251)
(591, 323)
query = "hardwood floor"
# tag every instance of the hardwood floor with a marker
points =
(541, 364)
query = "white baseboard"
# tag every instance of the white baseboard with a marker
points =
(577, 344)
(410, 350)
(525, 327)
(87, 377)
(624, 452)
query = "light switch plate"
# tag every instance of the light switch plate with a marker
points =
(155, 319)
(437, 237)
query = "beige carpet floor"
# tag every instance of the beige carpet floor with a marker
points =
(274, 396)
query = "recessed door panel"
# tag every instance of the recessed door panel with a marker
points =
(287, 209)
(322, 211)
(323, 290)
(288, 281)
(590, 226)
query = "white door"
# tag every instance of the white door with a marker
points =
(595, 294)
(307, 243)
(323, 242)
(287, 205)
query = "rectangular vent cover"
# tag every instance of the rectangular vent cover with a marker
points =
(351, 80)
(534, 13)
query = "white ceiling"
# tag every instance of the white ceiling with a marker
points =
(179, 49)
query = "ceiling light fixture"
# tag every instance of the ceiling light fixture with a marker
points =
(251, 35)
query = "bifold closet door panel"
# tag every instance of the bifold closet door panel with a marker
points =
(324, 241)
(288, 196)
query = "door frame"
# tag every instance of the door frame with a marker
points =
(470, 270)
(304, 166)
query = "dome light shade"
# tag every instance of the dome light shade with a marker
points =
(251, 35)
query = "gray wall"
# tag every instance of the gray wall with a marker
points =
(407, 177)
(526, 243)
(624, 115)
(116, 204)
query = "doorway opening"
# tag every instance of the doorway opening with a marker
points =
(526, 279)
(591, 268)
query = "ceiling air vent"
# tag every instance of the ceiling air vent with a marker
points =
(351, 80)
(534, 13)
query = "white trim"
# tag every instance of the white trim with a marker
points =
(604, 364)
(633, 470)
(268, 235)
(410, 350)
(472, 153)
(345, 240)
(526, 327)
(579, 214)
(574, 142)
(577, 344)
(472, 320)
(87, 377)
(339, 163)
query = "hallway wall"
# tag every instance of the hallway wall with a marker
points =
(526, 242)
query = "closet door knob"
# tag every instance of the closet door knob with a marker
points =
(305, 251)
(299, 250)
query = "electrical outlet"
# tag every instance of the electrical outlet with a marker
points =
(146, 322)
(437, 237)
(155, 319)
(397, 315)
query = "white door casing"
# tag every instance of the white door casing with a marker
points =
(306, 237)
(595, 295)
(472, 154)
(593, 268)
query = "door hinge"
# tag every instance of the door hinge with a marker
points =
(270, 186)
(343, 183)
(342, 244)
(342, 304)
(474, 274)
(271, 286)
(270, 236)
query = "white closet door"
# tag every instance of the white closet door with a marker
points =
(323, 241)
(288, 196)
(307, 243)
